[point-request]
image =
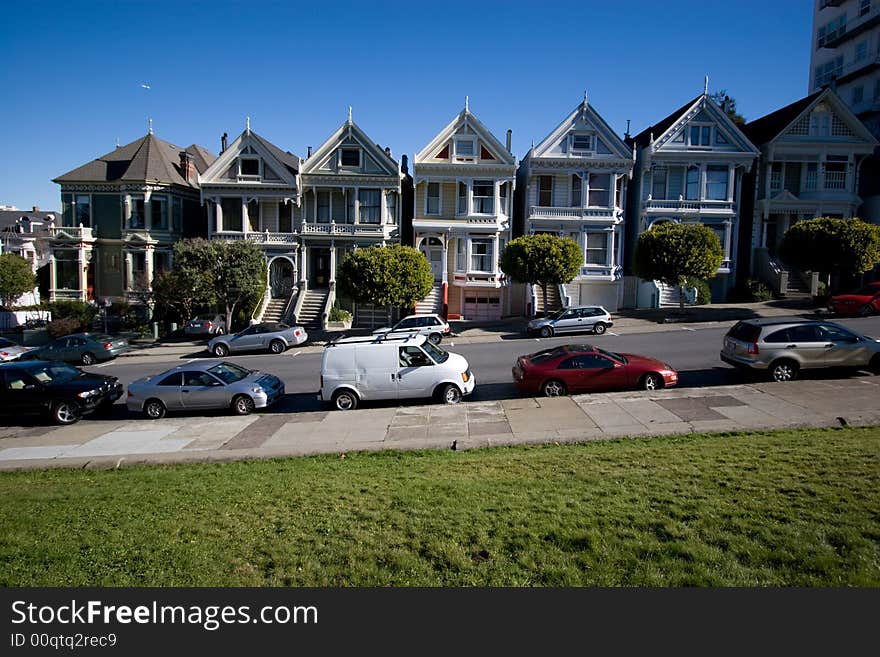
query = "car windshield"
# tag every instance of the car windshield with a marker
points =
(618, 357)
(557, 314)
(204, 318)
(437, 353)
(54, 372)
(228, 372)
(547, 354)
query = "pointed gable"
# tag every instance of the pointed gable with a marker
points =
(465, 140)
(583, 133)
(350, 151)
(252, 158)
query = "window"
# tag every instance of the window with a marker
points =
(778, 336)
(581, 142)
(716, 182)
(371, 208)
(460, 254)
(433, 198)
(505, 198)
(249, 166)
(198, 379)
(596, 252)
(600, 184)
(159, 212)
(835, 172)
(323, 206)
(484, 197)
(720, 232)
(658, 183)
(864, 7)
(391, 208)
(172, 379)
(803, 334)
(462, 198)
(545, 191)
(66, 270)
(692, 184)
(700, 135)
(776, 176)
(231, 209)
(576, 183)
(284, 217)
(414, 357)
(176, 213)
(858, 94)
(83, 210)
(253, 213)
(861, 51)
(465, 147)
(835, 334)
(481, 255)
(351, 157)
(137, 212)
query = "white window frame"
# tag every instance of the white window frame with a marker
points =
(461, 140)
(701, 126)
(133, 199)
(588, 248)
(461, 254)
(250, 176)
(160, 198)
(592, 146)
(359, 154)
(439, 198)
(76, 204)
(484, 183)
(490, 254)
(361, 205)
(727, 189)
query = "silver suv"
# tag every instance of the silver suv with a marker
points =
(784, 347)
(572, 320)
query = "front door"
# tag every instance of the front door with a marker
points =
(320, 269)
(281, 278)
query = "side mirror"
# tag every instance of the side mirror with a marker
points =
(30, 386)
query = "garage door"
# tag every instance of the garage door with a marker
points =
(482, 306)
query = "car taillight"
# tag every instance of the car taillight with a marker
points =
(129, 394)
(446, 329)
(108, 345)
(753, 348)
(208, 325)
(4, 353)
(297, 333)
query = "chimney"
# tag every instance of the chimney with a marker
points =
(36, 208)
(309, 154)
(388, 151)
(187, 168)
(626, 134)
(404, 166)
(223, 144)
(509, 133)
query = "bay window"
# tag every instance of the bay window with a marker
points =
(545, 191)
(599, 195)
(136, 219)
(323, 207)
(391, 208)
(460, 254)
(658, 183)
(484, 197)
(231, 208)
(481, 255)
(83, 210)
(692, 184)
(576, 191)
(371, 206)
(176, 213)
(284, 217)
(432, 205)
(596, 251)
(462, 198)
(505, 198)
(716, 182)
(66, 270)
(159, 212)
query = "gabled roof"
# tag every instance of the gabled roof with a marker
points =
(350, 129)
(284, 163)
(465, 117)
(644, 137)
(767, 128)
(586, 111)
(146, 159)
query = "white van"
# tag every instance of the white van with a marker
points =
(382, 367)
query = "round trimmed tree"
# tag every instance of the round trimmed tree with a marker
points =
(385, 276)
(671, 253)
(16, 278)
(542, 260)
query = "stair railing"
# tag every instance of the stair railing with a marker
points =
(328, 304)
(300, 298)
(294, 293)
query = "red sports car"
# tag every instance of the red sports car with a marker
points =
(584, 368)
(862, 303)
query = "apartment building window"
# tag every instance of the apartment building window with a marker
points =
(462, 198)
(692, 184)
(576, 184)
(484, 197)
(820, 124)
(658, 183)
(861, 51)
(231, 208)
(433, 198)
(545, 191)
(323, 205)
(159, 212)
(285, 217)
(371, 207)
(253, 213)
(835, 172)
(596, 251)
(351, 157)
(481, 255)
(176, 213)
(599, 195)
(864, 7)
(716, 183)
(83, 206)
(136, 219)
(391, 207)
(831, 30)
(858, 94)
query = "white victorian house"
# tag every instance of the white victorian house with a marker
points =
(689, 169)
(464, 182)
(811, 152)
(251, 191)
(574, 185)
(351, 192)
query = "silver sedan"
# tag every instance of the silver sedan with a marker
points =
(204, 386)
(9, 350)
(271, 337)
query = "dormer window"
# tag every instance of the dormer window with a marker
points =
(350, 157)
(249, 167)
(581, 143)
(465, 147)
(700, 136)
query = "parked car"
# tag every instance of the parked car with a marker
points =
(430, 325)
(577, 368)
(571, 320)
(782, 348)
(10, 350)
(205, 325)
(204, 386)
(271, 337)
(61, 391)
(84, 348)
(391, 367)
(864, 302)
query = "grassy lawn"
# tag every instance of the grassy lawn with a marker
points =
(791, 508)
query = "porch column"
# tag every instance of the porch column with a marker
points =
(332, 262)
(495, 255)
(218, 207)
(702, 182)
(126, 210)
(609, 248)
(212, 218)
(148, 266)
(245, 216)
(315, 204)
(129, 274)
(81, 276)
(357, 206)
(764, 220)
(304, 262)
(728, 234)
(53, 273)
(444, 276)
(731, 176)
(497, 201)
(148, 210)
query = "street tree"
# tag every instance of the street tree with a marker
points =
(832, 246)
(173, 291)
(16, 278)
(542, 260)
(228, 274)
(671, 253)
(385, 276)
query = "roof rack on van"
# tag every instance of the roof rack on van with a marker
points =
(372, 339)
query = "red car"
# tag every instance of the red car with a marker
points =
(862, 303)
(584, 368)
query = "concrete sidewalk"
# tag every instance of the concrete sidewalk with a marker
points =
(129, 440)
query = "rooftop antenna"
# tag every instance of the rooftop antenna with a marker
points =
(706, 86)
(150, 123)
(466, 99)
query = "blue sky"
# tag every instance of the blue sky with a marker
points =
(72, 72)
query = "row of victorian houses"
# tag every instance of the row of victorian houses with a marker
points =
(466, 197)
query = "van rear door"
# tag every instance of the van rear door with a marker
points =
(376, 371)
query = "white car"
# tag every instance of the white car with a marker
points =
(391, 367)
(432, 326)
(9, 350)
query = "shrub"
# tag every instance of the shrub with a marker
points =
(338, 314)
(704, 292)
(85, 313)
(750, 291)
(65, 326)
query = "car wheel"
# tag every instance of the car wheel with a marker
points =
(345, 400)
(88, 358)
(154, 409)
(243, 405)
(651, 381)
(866, 311)
(546, 332)
(220, 350)
(554, 388)
(599, 328)
(435, 338)
(874, 365)
(65, 412)
(784, 370)
(276, 346)
(450, 394)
